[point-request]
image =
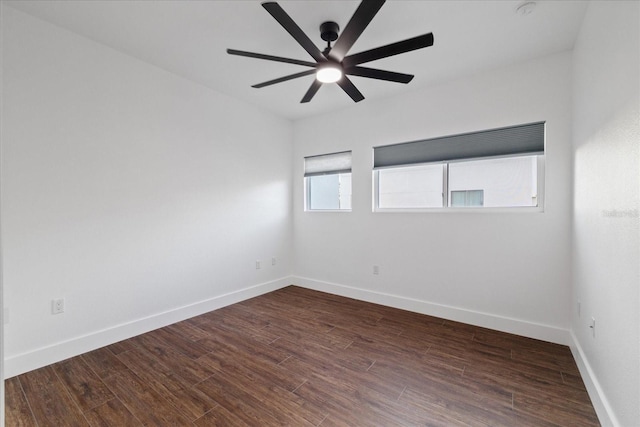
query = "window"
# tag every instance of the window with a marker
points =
(329, 192)
(328, 182)
(498, 168)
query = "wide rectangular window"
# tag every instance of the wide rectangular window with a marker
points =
(328, 182)
(498, 168)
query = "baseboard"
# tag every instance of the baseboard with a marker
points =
(598, 398)
(18, 364)
(486, 320)
(25, 362)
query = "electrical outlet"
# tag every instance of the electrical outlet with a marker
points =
(258, 265)
(274, 261)
(592, 325)
(57, 306)
(376, 270)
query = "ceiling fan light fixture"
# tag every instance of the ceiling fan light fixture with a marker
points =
(329, 73)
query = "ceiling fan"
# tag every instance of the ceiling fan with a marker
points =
(332, 65)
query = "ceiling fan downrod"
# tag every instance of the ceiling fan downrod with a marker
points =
(329, 33)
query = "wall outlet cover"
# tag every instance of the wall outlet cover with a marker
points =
(57, 306)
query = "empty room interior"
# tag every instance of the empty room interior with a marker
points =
(422, 213)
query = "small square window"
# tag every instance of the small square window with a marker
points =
(327, 179)
(329, 192)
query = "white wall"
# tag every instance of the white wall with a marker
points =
(606, 232)
(2, 376)
(139, 197)
(506, 270)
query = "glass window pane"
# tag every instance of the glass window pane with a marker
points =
(504, 182)
(329, 192)
(410, 187)
(467, 198)
(344, 190)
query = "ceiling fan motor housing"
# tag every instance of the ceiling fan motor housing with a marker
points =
(329, 31)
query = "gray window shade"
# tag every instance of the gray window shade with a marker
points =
(516, 140)
(328, 164)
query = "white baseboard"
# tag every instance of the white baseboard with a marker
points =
(18, 364)
(25, 362)
(485, 320)
(598, 398)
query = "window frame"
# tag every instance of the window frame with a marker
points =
(540, 164)
(307, 195)
(335, 163)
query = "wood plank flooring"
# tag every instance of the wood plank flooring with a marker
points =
(297, 357)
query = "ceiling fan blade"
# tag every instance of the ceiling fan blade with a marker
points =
(350, 88)
(292, 28)
(373, 73)
(408, 45)
(356, 25)
(311, 92)
(284, 79)
(270, 57)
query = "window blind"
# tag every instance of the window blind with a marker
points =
(525, 139)
(326, 164)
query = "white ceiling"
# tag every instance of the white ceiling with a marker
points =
(190, 38)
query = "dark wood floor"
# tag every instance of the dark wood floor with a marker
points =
(303, 358)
